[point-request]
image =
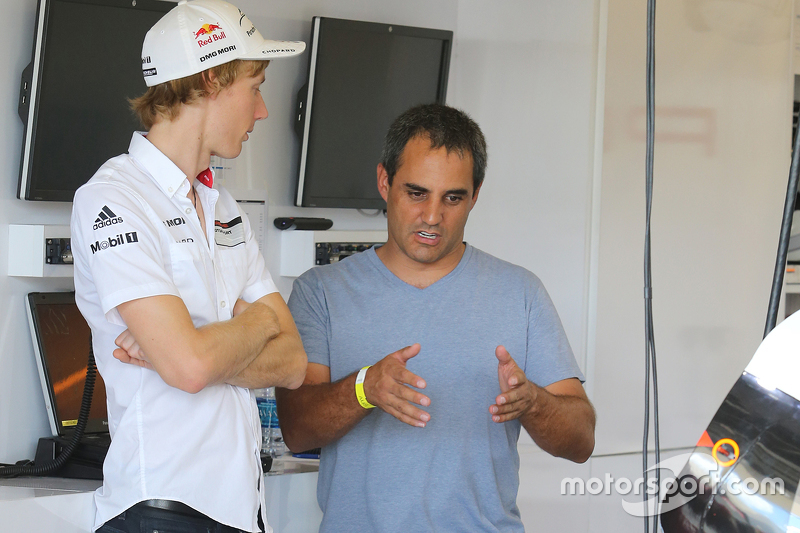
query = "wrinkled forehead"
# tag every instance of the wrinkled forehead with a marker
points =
(427, 165)
(434, 146)
(424, 135)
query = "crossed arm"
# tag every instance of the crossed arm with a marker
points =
(558, 417)
(258, 347)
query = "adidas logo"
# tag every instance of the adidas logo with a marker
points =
(106, 217)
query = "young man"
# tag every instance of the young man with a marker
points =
(476, 351)
(184, 316)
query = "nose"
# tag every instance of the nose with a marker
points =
(432, 212)
(261, 109)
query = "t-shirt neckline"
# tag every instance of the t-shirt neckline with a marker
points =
(445, 280)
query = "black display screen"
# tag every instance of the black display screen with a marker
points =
(62, 338)
(90, 65)
(364, 76)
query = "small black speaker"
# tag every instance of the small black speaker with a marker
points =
(303, 223)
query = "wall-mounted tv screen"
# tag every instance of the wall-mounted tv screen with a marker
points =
(361, 76)
(73, 99)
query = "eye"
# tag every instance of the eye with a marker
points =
(416, 194)
(453, 198)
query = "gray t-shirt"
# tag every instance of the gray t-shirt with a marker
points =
(461, 472)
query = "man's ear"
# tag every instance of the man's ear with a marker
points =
(210, 82)
(383, 182)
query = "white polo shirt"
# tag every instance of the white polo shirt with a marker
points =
(136, 234)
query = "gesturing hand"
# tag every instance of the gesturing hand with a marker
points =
(385, 386)
(517, 393)
(129, 351)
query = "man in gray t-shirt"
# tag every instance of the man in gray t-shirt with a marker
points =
(476, 351)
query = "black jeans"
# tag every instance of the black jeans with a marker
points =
(139, 519)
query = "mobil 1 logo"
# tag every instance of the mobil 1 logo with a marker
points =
(114, 241)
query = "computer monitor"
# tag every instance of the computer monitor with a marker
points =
(74, 93)
(361, 76)
(61, 339)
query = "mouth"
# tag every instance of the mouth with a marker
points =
(428, 237)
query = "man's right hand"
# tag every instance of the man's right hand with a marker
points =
(385, 386)
(129, 351)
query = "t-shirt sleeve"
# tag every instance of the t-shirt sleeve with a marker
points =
(116, 244)
(310, 313)
(549, 357)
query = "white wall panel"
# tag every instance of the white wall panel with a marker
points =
(541, 504)
(723, 98)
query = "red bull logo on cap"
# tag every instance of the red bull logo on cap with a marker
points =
(208, 33)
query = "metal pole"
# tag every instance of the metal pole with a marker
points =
(783, 243)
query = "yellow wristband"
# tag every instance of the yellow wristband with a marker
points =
(360, 396)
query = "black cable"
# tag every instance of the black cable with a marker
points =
(783, 242)
(650, 343)
(77, 434)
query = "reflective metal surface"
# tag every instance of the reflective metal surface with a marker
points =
(747, 467)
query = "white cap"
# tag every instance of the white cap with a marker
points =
(200, 34)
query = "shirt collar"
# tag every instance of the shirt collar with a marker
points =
(161, 169)
(206, 177)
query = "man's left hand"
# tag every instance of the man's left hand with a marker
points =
(239, 307)
(130, 352)
(518, 394)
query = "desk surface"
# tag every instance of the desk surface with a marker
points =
(22, 488)
(292, 465)
(67, 506)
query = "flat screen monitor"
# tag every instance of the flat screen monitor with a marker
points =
(74, 94)
(61, 339)
(361, 76)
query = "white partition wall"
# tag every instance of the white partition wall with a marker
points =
(722, 153)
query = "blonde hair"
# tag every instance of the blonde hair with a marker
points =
(163, 101)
